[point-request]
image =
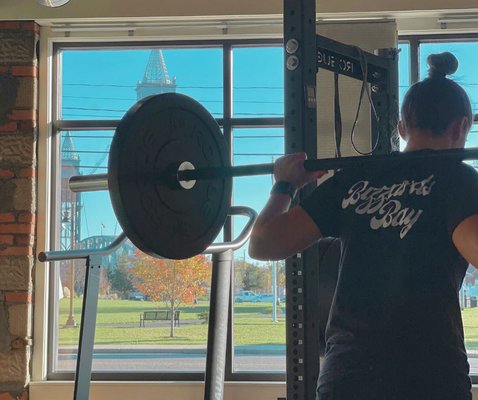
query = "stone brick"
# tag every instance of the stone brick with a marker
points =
(15, 273)
(14, 367)
(17, 251)
(16, 228)
(19, 320)
(27, 126)
(17, 49)
(24, 196)
(26, 92)
(27, 217)
(17, 115)
(9, 25)
(17, 149)
(5, 337)
(21, 343)
(30, 26)
(7, 189)
(6, 173)
(6, 240)
(24, 71)
(9, 127)
(9, 90)
(23, 240)
(26, 173)
(7, 217)
(18, 296)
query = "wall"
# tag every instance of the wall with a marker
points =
(18, 133)
(114, 9)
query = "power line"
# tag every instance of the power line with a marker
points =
(201, 101)
(179, 86)
(217, 114)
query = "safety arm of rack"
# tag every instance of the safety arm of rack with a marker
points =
(243, 236)
(212, 249)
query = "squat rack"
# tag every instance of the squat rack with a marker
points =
(305, 52)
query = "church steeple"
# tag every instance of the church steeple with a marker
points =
(68, 152)
(156, 78)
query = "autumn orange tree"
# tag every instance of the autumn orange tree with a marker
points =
(172, 281)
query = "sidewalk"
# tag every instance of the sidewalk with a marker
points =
(262, 349)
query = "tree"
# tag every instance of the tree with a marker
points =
(121, 278)
(255, 278)
(171, 281)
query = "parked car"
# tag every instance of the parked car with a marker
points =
(267, 298)
(136, 296)
(246, 295)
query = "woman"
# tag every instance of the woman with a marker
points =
(408, 232)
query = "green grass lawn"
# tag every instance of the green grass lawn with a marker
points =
(470, 324)
(253, 324)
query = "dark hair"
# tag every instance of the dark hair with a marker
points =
(434, 103)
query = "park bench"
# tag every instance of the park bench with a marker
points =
(158, 315)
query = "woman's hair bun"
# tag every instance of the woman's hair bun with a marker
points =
(441, 64)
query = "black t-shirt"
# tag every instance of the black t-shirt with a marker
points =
(396, 306)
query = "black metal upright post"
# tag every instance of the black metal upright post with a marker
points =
(218, 324)
(300, 135)
(87, 330)
(385, 99)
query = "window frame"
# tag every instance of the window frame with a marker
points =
(416, 40)
(228, 123)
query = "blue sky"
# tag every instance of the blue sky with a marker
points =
(100, 84)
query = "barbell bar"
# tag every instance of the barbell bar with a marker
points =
(169, 174)
(82, 183)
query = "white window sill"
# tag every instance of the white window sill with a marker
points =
(61, 390)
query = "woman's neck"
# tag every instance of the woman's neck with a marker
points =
(422, 141)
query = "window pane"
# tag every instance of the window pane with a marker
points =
(258, 82)
(467, 77)
(403, 75)
(104, 84)
(259, 288)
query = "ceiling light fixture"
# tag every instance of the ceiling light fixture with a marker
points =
(52, 3)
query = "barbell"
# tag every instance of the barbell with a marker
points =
(169, 174)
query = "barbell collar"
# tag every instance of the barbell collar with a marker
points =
(88, 183)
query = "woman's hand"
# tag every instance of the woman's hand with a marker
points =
(290, 168)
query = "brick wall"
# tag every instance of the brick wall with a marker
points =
(18, 136)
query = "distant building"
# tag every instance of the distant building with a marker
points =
(156, 77)
(70, 201)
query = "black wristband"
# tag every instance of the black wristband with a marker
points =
(283, 187)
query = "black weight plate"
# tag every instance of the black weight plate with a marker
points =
(156, 133)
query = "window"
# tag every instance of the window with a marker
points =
(465, 49)
(97, 84)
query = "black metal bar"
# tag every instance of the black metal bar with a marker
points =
(345, 60)
(414, 60)
(384, 135)
(330, 163)
(218, 323)
(87, 328)
(300, 84)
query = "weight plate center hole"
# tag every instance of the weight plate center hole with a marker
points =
(186, 166)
